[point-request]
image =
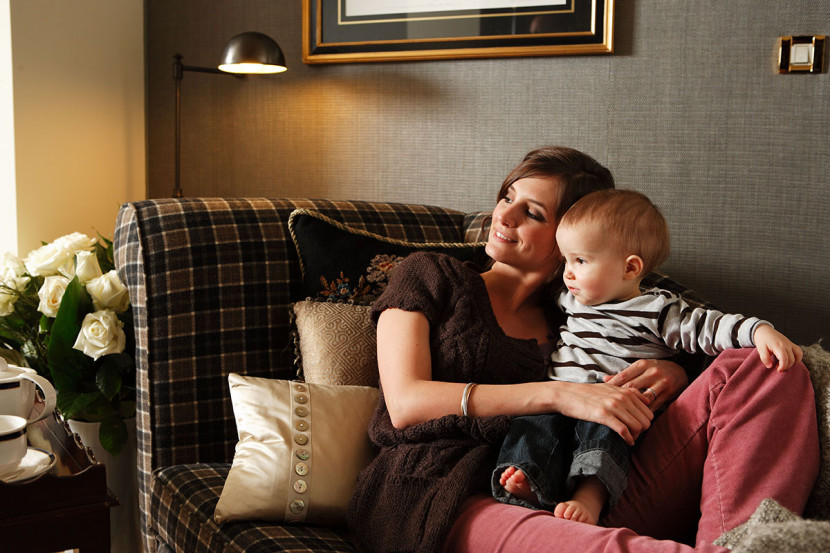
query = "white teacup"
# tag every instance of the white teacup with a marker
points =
(17, 392)
(13, 443)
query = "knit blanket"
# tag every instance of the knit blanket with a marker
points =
(817, 361)
(774, 529)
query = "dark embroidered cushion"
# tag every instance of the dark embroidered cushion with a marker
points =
(340, 263)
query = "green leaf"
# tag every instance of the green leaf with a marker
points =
(113, 435)
(119, 361)
(71, 369)
(11, 339)
(15, 320)
(85, 406)
(74, 405)
(13, 357)
(108, 379)
(104, 251)
(46, 324)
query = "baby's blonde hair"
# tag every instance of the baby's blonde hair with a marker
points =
(629, 220)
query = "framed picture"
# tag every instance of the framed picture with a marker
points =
(346, 31)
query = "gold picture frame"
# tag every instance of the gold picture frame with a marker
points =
(357, 31)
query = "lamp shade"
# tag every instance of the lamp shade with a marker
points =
(252, 52)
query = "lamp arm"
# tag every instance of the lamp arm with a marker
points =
(178, 73)
(179, 69)
(203, 69)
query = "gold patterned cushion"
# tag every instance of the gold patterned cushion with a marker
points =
(337, 343)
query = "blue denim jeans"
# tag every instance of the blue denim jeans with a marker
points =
(554, 451)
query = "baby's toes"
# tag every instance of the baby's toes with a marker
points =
(506, 474)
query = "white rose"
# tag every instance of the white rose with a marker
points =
(48, 259)
(51, 294)
(87, 267)
(67, 269)
(101, 333)
(75, 242)
(13, 278)
(107, 292)
(7, 302)
(13, 272)
(41, 261)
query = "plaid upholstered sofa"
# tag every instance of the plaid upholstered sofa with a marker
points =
(211, 281)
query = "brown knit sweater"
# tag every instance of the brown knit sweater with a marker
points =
(408, 498)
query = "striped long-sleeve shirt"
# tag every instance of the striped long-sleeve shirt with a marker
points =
(604, 339)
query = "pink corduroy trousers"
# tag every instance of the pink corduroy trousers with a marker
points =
(738, 434)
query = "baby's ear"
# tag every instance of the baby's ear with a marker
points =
(633, 267)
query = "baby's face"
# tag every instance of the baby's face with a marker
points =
(594, 268)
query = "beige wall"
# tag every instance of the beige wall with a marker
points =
(78, 70)
(8, 207)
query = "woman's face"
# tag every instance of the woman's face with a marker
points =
(523, 231)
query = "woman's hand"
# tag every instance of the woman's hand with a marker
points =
(658, 380)
(624, 410)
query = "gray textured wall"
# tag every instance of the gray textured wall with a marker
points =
(689, 109)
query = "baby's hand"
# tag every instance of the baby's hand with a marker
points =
(771, 343)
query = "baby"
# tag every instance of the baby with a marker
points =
(610, 240)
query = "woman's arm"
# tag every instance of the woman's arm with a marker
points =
(665, 378)
(412, 396)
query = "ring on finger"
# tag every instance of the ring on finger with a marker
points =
(652, 392)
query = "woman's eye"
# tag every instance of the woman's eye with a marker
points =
(534, 216)
(580, 261)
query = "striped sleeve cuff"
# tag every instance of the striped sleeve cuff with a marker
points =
(745, 339)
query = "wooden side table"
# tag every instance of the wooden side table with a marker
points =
(67, 508)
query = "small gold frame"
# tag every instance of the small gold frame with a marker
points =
(801, 54)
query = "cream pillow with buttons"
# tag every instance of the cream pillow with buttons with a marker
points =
(301, 447)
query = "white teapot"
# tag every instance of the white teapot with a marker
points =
(17, 392)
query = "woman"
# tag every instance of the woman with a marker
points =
(460, 352)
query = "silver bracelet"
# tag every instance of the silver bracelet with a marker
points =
(465, 397)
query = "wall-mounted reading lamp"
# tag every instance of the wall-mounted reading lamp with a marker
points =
(246, 53)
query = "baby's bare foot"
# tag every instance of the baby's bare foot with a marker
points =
(515, 482)
(575, 511)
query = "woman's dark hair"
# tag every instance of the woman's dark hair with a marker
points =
(579, 174)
